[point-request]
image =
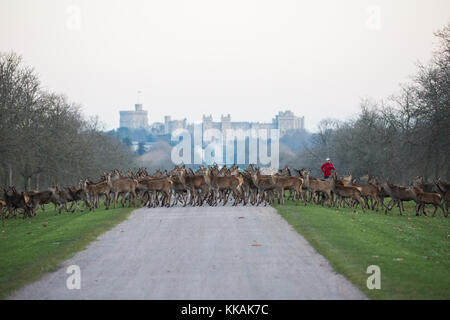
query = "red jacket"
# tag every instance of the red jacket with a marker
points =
(326, 169)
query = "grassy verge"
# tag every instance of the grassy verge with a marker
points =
(413, 253)
(28, 249)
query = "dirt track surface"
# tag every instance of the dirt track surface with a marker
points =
(198, 253)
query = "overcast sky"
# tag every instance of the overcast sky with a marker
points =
(249, 58)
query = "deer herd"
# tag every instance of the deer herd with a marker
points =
(213, 186)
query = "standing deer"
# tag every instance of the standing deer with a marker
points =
(265, 184)
(122, 185)
(94, 191)
(343, 192)
(316, 186)
(222, 185)
(426, 187)
(156, 185)
(294, 184)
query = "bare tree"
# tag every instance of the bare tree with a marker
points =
(44, 138)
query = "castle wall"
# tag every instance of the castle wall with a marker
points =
(134, 119)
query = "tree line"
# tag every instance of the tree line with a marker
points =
(398, 138)
(44, 137)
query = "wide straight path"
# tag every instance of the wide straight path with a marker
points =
(198, 253)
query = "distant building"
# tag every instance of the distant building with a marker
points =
(157, 128)
(137, 119)
(286, 121)
(172, 125)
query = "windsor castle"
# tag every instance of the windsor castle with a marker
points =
(138, 119)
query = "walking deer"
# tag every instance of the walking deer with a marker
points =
(422, 198)
(398, 194)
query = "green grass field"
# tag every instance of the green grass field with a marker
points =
(413, 253)
(28, 249)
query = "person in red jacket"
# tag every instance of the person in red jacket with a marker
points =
(326, 168)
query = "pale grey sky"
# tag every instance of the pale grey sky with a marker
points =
(249, 58)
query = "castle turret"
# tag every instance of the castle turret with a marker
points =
(137, 119)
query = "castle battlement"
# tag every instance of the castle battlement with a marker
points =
(134, 119)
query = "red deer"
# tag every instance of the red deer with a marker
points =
(15, 201)
(60, 198)
(266, 185)
(347, 180)
(122, 185)
(198, 184)
(398, 194)
(426, 187)
(317, 186)
(422, 198)
(156, 185)
(294, 184)
(381, 193)
(369, 192)
(96, 190)
(179, 185)
(343, 192)
(40, 199)
(220, 185)
(365, 179)
(444, 186)
(74, 195)
(249, 189)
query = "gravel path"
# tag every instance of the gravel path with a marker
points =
(198, 253)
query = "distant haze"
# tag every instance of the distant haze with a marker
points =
(249, 58)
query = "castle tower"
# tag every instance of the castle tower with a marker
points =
(137, 119)
(167, 124)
